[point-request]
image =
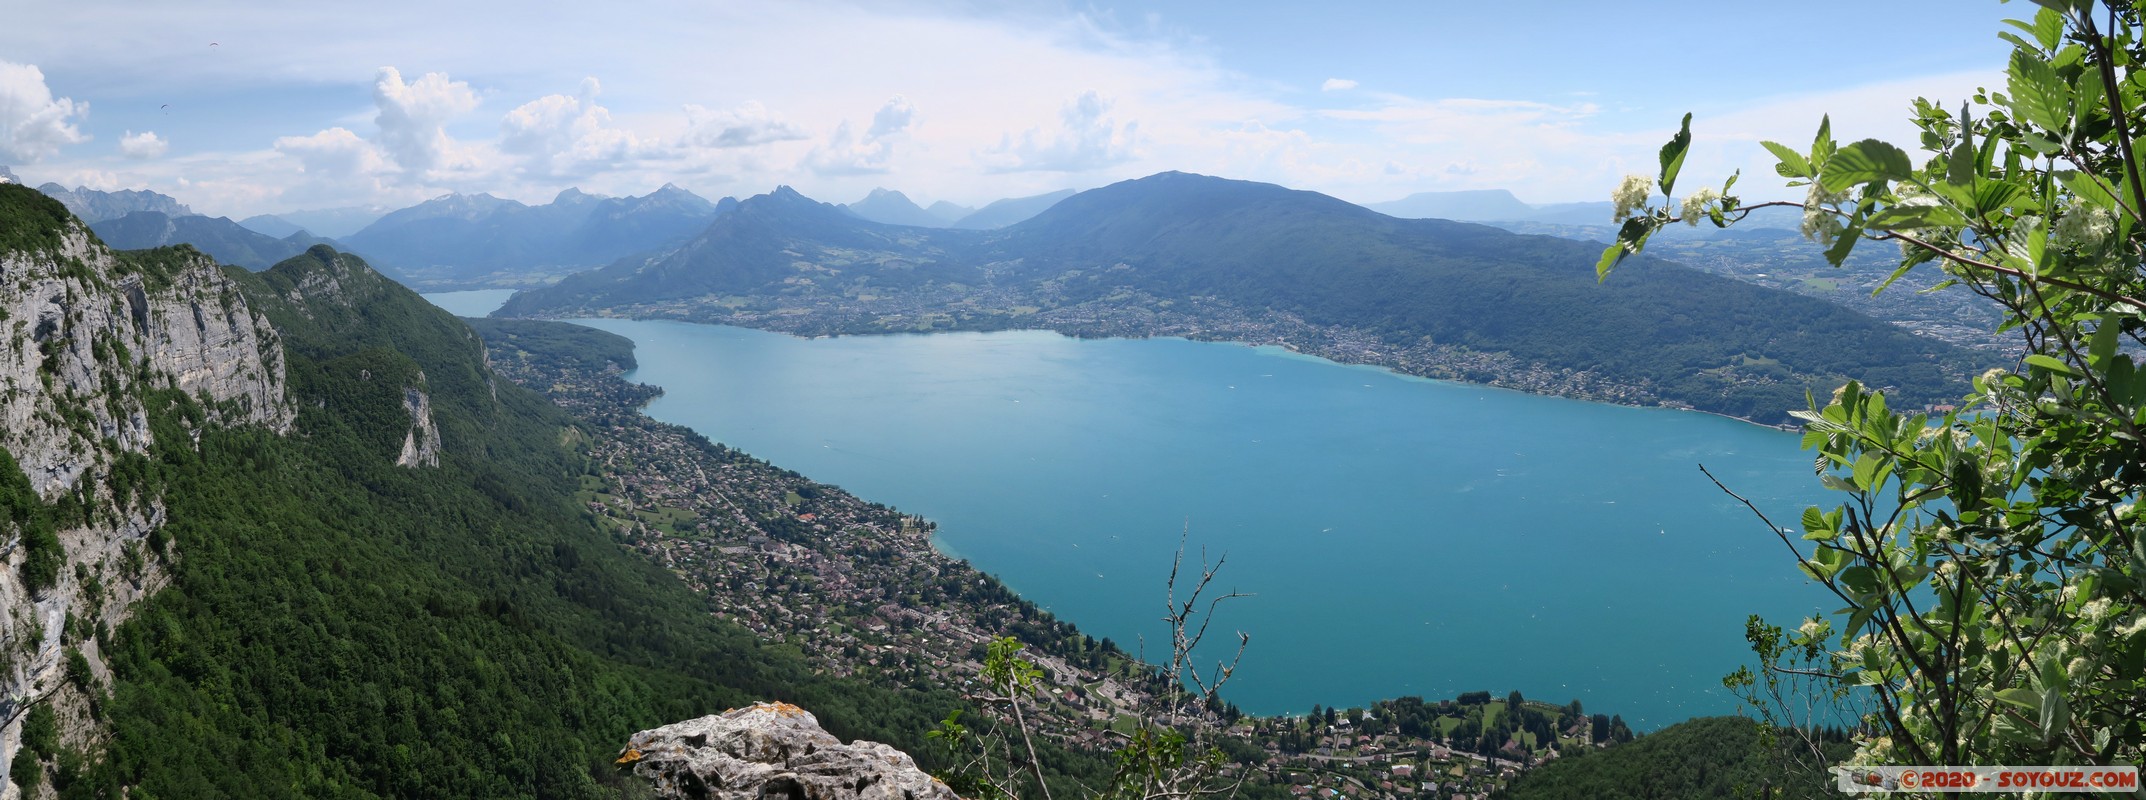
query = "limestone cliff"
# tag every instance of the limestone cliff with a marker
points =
(773, 750)
(91, 336)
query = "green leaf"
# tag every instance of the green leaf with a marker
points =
(2103, 346)
(1903, 270)
(2023, 697)
(2037, 94)
(1673, 155)
(1631, 239)
(1822, 144)
(1793, 164)
(1901, 218)
(2050, 363)
(1864, 162)
(1960, 164)
(1849, 237)
(2056, 714)
(1992, 197)
(1610, 256)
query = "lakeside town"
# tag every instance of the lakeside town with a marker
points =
(857, 589)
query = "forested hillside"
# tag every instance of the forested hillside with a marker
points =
(340, 624)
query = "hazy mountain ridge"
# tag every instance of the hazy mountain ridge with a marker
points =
(890, 207)
(1010, 211)
(1193, 255)
(478, 239)
(91, 205)
(226, 241)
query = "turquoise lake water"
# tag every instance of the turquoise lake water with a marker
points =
(1400, 536)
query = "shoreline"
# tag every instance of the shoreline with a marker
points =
(1193, 336)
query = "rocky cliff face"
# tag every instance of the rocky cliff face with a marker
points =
(773, 750)
(85, 337)
(89, 336)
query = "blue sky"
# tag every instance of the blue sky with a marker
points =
(318, 105)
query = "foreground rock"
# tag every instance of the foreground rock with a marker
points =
(773, 750)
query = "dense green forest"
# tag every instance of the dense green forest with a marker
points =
(1701, 759)
(340, 626)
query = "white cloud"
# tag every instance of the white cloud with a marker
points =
(1087, 139)
(561, 136)
(335, 152)
(748, 124)
(413, 118)
(144, 145)
(846, 154)
(892, 118)
(1337, 85)
(33, 123)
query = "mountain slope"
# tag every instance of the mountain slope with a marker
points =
(228, 242)
(1701, 759)
(752, 251)
(328, 613)
(1473, 206)
(1192, 255)
(1001, 213)
(479, 239)
(93, 206)
(334, 223)
(948, 213)
(1711, 342)
(890, 207)
(270, 225)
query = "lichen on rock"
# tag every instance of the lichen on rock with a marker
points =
(773, 750)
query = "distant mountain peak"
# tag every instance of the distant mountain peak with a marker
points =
(93, 205)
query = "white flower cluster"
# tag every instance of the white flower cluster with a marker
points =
(1631, 195)
(1814, 628)
(2084, 228)
(2095, 610)
(1697, 204)
(1819, 224)
(2132, 628)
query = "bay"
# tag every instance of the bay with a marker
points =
(1395, 535)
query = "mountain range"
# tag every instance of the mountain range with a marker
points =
(226, 241)
(92, 205)
(1196, 255)
(473, 239)
(890, 207)
(334, 223)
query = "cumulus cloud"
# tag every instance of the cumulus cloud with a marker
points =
(33, 123)
(335, 153)
(558, 135)
(413, 117)
(144, 145)
(745, 126)
(849, 154)
(1337, 85)
(1087, 138)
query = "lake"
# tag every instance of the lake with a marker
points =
(1398, 535)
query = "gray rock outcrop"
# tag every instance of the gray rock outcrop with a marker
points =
(84, 333)
(421, 446)
(773, 750)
